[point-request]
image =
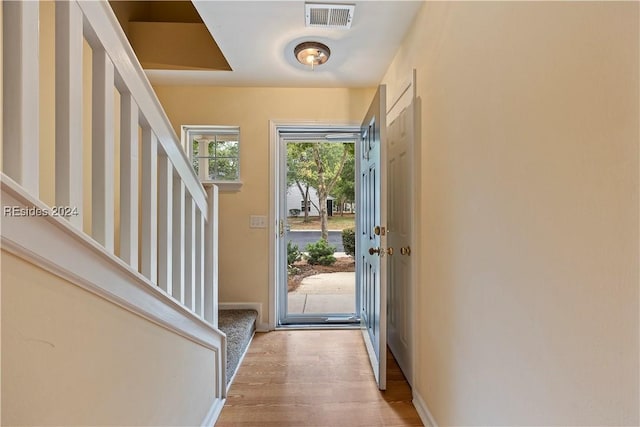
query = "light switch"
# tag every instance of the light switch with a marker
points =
(258, 221)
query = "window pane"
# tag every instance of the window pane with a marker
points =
(220, 146)
(212, 168)
(227, 149)
(226, 169)
(194, 159)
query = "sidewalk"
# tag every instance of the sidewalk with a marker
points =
(324, 293)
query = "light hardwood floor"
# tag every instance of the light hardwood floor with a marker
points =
(315, 378)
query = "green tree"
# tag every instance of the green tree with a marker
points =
(300, 172)
(330, 159)
(345, 189)
(319, 165)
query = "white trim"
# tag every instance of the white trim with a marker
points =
(225, 186)
(68, 108)
(149, 205)
(261, 325)
(210, 289)
(273, 220)
(423, 411)
(129, 165)
(21, 65)
(102, 152)
(178, 224)
(165, 223)
(56, 246)
(213, 413)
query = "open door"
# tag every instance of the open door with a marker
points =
(372, 247)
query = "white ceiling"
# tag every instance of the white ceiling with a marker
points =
(258, 37)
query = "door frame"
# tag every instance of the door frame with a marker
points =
(275, 165)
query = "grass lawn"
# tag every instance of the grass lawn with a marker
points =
(336, 222)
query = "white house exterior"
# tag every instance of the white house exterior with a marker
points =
(296, 201)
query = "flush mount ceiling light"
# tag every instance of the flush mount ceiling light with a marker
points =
(312, 53)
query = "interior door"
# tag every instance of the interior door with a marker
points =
(373, 237)
(400, 293)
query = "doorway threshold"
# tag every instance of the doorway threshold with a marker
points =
(311, 327)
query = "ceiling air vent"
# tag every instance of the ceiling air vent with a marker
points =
(328, 15)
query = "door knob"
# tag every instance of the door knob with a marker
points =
(379, 231)
(405, 251)
(390, 251)
(373, 251)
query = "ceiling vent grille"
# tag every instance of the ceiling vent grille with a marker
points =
(328, 15)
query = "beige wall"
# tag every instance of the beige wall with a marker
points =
(244, 252)
(72, 358)
(528, 284)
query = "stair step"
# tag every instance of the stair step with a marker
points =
(239, 326)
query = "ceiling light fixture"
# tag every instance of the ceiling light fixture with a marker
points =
(312, 53)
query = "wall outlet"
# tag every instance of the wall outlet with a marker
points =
(257, 221)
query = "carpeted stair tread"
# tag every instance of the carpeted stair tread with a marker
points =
(239, 326)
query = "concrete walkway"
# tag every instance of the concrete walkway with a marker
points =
(325, 293)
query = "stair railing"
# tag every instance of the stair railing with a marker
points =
(166, 224)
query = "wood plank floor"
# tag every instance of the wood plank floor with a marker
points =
(315, 378)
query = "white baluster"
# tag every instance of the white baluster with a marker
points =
(165, 222)
(149, 224)
(129, 180)
(210, 294)
(190, 254)
(199, 280)
(178, 239)
(103, 153)
(20, 56)
(68, 158)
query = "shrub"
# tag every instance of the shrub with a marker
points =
(293, 254)
(292, 270)
(320, 253)
(294, 212)
(349, 241)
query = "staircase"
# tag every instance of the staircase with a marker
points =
(109, 283)
(239, 327)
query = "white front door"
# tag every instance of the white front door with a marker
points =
(372, 242)
(400, 174)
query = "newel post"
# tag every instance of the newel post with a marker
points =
(211, 257)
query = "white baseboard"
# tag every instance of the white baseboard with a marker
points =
(213, 413)
(423, 411)
(261, 326)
